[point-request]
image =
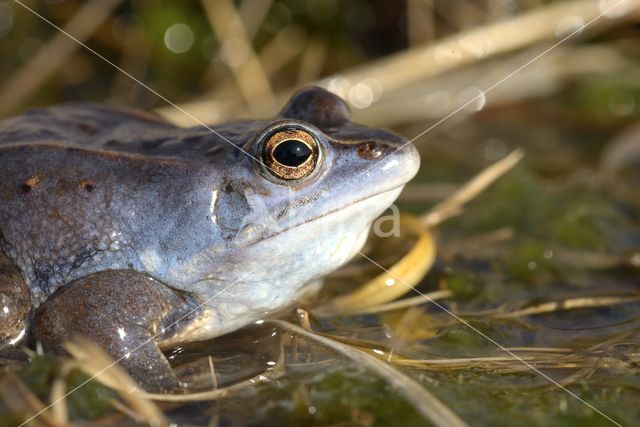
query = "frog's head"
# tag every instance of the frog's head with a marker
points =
(322, 171)
(306, 200)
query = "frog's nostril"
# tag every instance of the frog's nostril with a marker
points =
(370, 150)
(87, 186)
(30, 184)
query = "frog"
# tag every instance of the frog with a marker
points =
(141, 235)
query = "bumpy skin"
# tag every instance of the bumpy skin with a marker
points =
(122, 219)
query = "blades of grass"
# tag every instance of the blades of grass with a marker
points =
(23, 404)
(408, 67)
(411, 268)
(431, 99)
(406, 302)
(427, 405)
(420, 21)
(94, 361)
(135, 59)
(312, 61)
(124, 409)
(59, 389)
(623, 150)
(521, 30)
(453, 205)
(53, 55)
(273, 373)
(561, 305)
(219, 393)
(282, 48)
(253, 13)
(248, 72)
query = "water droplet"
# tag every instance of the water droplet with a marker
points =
(494, 149)
(614, 8)
(479, 45)
(622, 104)
(178, 38)
(361, 95)
(339, 85)
(472, 98)
(570, 25)
(438, 103)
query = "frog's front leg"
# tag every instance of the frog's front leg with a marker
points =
(15, 303)
(122, 311)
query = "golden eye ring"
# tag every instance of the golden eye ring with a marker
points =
(290, 154)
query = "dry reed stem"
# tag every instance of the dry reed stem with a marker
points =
(54, 54)
(420, 21)
(96, 363)
(250, 76)
(406, 302)
(134, 60)
(219, 393)
(554, 306)
(23, 404)
(453, 205)
(253, 14)
(282, 48)
(522, 30)
(540, 357)
(434, 98)
(425, 403)
(413, 65)
(124, 409)
(59, 390)
(312, 61)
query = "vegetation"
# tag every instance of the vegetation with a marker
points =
(529, 313)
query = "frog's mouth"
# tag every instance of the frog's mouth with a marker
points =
(365, 209)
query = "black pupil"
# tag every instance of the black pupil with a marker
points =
(292, 153)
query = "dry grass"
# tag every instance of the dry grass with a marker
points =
(404, 72)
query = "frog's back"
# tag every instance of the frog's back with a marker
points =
(119, 129)
(84, 188)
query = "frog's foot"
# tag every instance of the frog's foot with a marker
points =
(122, 311)
(15, 304)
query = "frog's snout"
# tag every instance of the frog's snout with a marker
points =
(372, 150)
(397, 154)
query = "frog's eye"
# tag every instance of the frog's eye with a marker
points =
(290, 154)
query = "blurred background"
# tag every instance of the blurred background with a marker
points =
(546, 261)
